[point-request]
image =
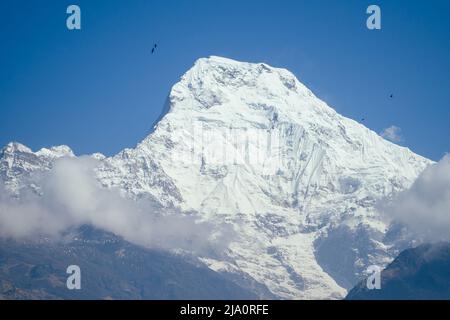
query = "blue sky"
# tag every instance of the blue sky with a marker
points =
(100, 89)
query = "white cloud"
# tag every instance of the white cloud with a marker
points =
(392, 133)
(71, 197)
(425, 207)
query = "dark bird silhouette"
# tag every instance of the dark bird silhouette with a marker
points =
(154, 48)
(391, 96)
(362, 119)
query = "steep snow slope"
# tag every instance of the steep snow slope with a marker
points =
(250, 145)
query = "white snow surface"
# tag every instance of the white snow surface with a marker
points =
(248, 144)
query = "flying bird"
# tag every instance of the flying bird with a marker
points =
(391, 96)
(154, 48)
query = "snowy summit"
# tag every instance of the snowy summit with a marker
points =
(250, 145)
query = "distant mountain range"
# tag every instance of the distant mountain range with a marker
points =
(421, 273)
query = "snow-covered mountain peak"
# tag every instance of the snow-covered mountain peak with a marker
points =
(13, 147)
(249, 145)
(217, 81)
(56, 152)
(226, 114)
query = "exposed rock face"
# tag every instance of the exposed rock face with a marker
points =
(421, 273)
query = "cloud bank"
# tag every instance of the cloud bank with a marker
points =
(425, 207)
(70, 197)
